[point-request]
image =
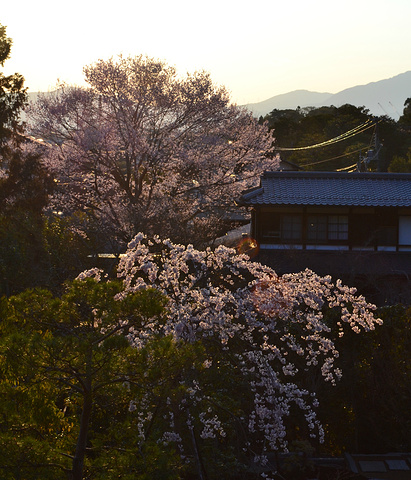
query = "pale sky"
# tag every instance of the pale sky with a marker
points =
(255, 48)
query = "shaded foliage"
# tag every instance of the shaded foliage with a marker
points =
(13, 98)
(368, 411)
(68, 376)
(26, 184)
(406, 115)
(309, 126)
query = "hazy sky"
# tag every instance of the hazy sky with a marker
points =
(257, 49)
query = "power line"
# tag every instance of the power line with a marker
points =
(351, 133)
(349, 169)
(333, 158)
(396, 111)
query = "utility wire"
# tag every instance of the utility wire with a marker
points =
(333, 158)
(350, 168)
(351, 133)
(396, 111)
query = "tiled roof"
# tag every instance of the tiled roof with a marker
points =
(390, 466)
(331, 188)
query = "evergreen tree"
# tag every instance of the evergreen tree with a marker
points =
(405, 118)
(32, 252)
(13, 96)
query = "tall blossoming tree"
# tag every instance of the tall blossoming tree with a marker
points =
(142, 149)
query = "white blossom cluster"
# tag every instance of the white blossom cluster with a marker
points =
(273, 326)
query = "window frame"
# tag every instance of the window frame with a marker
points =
(286, 227)
(331, 228)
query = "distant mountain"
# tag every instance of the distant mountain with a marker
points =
(385, 97)
(291, 100)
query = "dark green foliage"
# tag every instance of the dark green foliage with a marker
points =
(369, 410)
(27, 184)
(36, 251)
(405, 118)
(309, 126)
(21, 252)
(64, 363)
(23, 194)
(401, 164)
(13, 96)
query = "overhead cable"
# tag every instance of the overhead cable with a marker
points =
(350, 168)
(351, 133)
(333, 158)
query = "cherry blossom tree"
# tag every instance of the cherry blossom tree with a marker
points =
(142, 149)
(263, 337)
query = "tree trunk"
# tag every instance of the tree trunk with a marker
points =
(78, 460)
(80, 453)
(199, 463)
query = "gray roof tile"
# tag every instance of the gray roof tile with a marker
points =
(331, 188)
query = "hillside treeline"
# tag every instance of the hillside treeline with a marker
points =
(342, 138)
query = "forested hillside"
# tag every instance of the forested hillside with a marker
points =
(342, 139)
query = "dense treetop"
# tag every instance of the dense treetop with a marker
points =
(144, 149)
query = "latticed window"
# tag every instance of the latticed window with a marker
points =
(291, 227)
(324, 228)
(281, 228)
(270, 226)
(338, 227)
(317, 228)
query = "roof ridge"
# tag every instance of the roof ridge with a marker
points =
(324, 174)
